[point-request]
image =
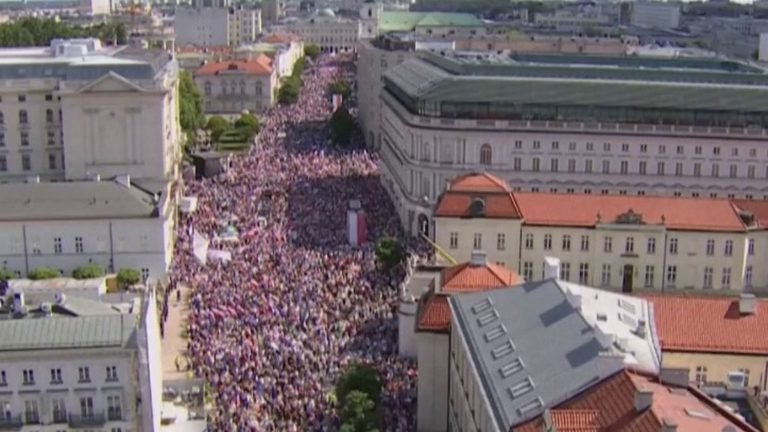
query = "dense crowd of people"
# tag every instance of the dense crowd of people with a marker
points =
(272, 329)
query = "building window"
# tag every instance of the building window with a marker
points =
(585, 243)
(535, 164)
(528, 270)
(83, 374)
(566, 243)
(23, 117)
(24, 138)
(607, 147)
(3, 163)
(26, 162)
(710, 247)
(486, 154)
(477, 241)
(624, 167)
(629, 246)
(2, 139)
(651, 247)
(751, 171)
(608, 244)
(590, 146)
(606, 167)
(49, 116)
(649, 276)
(748, 276)
(708, 272)
(751, 246)
(697, 169)
(22, 98)
(565, 271)
(583, 273)
(500, 242)
(660, 168)
(2, 118)
(529, 241)
(79, 244)
(697, 150)
(728, 248)
(701, 375)
(51, 138)
(28, 377)
(59, 410)
(111, 373)
(671, 276)
(726, 280)
(673, 246)
(31, 413)
(588, 166)
(605, 277)
(114, 408)
(643, 148)
(679, 169)
(3, 380)
(733, 171)
(547, 241)
(454, 240)
(571, 165)
(518, 164)
(662, 149)
(518, 144)
(536, 145)
(52, 161)
(86, 407)
(553, 165)
(56, 376)
(715, 170)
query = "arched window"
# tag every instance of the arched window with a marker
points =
(23, 118)
(486, 155)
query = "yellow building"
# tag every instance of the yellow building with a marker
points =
(718, 339)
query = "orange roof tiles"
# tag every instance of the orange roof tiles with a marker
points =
(613, 400)
(758, 208)
(706, 214)
(261, 65)
(435, 314)
(575, 420)
(711, 324)
(478, 182)
(499, 202)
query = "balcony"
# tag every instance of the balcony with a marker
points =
(114, 414)
(59, 417)
(81, 421)
(31, 418)
(11, 422)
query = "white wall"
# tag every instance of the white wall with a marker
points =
(433, 358)
(204, 26)
(406, 317)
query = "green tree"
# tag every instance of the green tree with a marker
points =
(362, 378)
(389, 252)
(217, 125)
(340, 86)
(127, 277)
(358, 413)
(342, 125)
(190, 104)
(6, 274)
(40, 273)
(88, 271)
(288, 93)
(248, 125)
(311, 51)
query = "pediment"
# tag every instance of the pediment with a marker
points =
(110, 83)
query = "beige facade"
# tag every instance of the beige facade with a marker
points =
(235, 86)
(537, 43)
(331, 34)
(715, 367)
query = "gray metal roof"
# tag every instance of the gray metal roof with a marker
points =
(67, 332)
(73, 200)
(583, 86)
(531, 348)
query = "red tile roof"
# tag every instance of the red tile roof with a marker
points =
(613, 400)
(261, 65)
(711, 324)
(280, 37)
(434, 313)
(535, 208)
(758, 208)
(706, 214)
(574, 420)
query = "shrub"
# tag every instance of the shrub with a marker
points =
(40, 273)
(341, 87)
(88, 271)
(217, 125)
(128, 276)
(289, 93)
(311, 51)
(389, 252)
(362, 378)
(248, 125)
(342, 124)
(6, 274)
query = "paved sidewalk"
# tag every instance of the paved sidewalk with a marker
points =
(175, 340)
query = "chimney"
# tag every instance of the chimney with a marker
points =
(747, 303)
(643, 399)
(124, 180)
(674, 376)
(668, 425)
(551, 268)
(640, 329)
(478, 259)
(608, 363)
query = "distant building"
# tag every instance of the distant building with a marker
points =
(654, 14)
(95, 7)
(231, 86)
(272, 10)
(208, 26)
(570, 22)
(437, 24)
(76, 363)
(330, 33)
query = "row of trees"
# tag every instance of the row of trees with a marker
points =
(358, 392)
(125, 276)
(289, 90)
(246, 126)
(191, 115)
(31, 31)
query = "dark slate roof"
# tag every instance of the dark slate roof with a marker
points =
(531, 348)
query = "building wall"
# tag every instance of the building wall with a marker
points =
(433, 358)
(605, 267)
(449, 31)
(718, 366)
(95, 7)
(233, 92)
(143, 244)
(420, 154)
(330, 34)
(205, 26)
(43, 392)
(610, 46)
(656, 14)
(244, 26)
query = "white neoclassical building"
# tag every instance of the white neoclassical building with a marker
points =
(575, 124)
(231, 86)
(330, 33)
(617, 242)
(79, 364)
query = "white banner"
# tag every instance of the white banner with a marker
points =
(200, 247)
(221, 255)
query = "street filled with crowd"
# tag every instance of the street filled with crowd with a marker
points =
(272, 329)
